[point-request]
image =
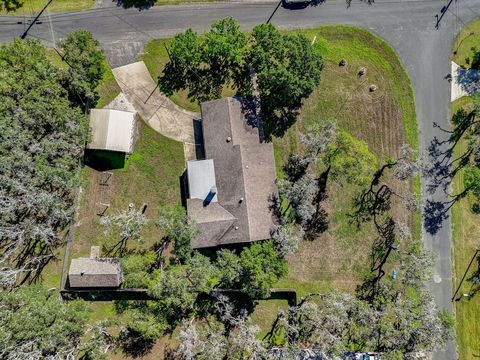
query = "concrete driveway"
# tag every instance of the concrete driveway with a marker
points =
(155, 108)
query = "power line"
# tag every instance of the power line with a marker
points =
(442, 11)
(24, 35)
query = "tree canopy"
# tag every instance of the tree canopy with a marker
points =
(36, 325)
(287, 67)
(329, 154)
(85, 67)
(42, 137)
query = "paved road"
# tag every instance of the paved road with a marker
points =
(408, 25)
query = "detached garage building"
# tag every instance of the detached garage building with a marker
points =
(95, 273)
(113, 130)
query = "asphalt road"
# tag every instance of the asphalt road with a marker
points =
(408, 25)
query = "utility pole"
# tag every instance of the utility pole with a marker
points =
(274, 11)
(24, 35)
(465, 274)
(442, 11)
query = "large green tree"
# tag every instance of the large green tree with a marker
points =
(42, 137)
(261, 266)
(36, 325)
(85, 62)
(204, 65)
(287, 68)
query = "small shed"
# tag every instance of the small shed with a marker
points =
(113, 130)
(95, 273)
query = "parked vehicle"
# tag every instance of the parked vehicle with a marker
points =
(297, 2)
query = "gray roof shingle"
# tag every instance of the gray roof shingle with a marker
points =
(95, 273)
(244, 174)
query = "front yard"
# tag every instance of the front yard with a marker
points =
(384, 118)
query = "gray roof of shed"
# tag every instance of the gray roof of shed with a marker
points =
(113, 130)
(244, 169)
(98, 272)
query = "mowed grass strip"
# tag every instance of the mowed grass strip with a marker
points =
(465, 223)
(466, 239)
(33, 7)
(467, 40)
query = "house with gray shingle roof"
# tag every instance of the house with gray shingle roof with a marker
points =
(95, 272)
(230, 192)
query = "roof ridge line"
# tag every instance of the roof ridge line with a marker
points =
(240, 146)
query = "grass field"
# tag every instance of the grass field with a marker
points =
(385, 119)
(465, 224)
(468, 38)
(32, 7)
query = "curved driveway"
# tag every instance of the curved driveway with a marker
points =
(408, 25)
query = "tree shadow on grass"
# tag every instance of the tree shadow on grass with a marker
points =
(137, 4)
(104, 160)
(134, 345)
(278, 124)
(474, 280)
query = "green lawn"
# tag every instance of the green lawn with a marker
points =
(32, 7)
(108, 88)
(149, 176)
(385, 119)
(465, 224)
(468, 38)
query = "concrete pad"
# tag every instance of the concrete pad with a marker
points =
(120, 103)
(159, 111)
(464, 82)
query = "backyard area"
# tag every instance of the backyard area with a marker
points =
(150, 176)
(465, 223)
(384, 118)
